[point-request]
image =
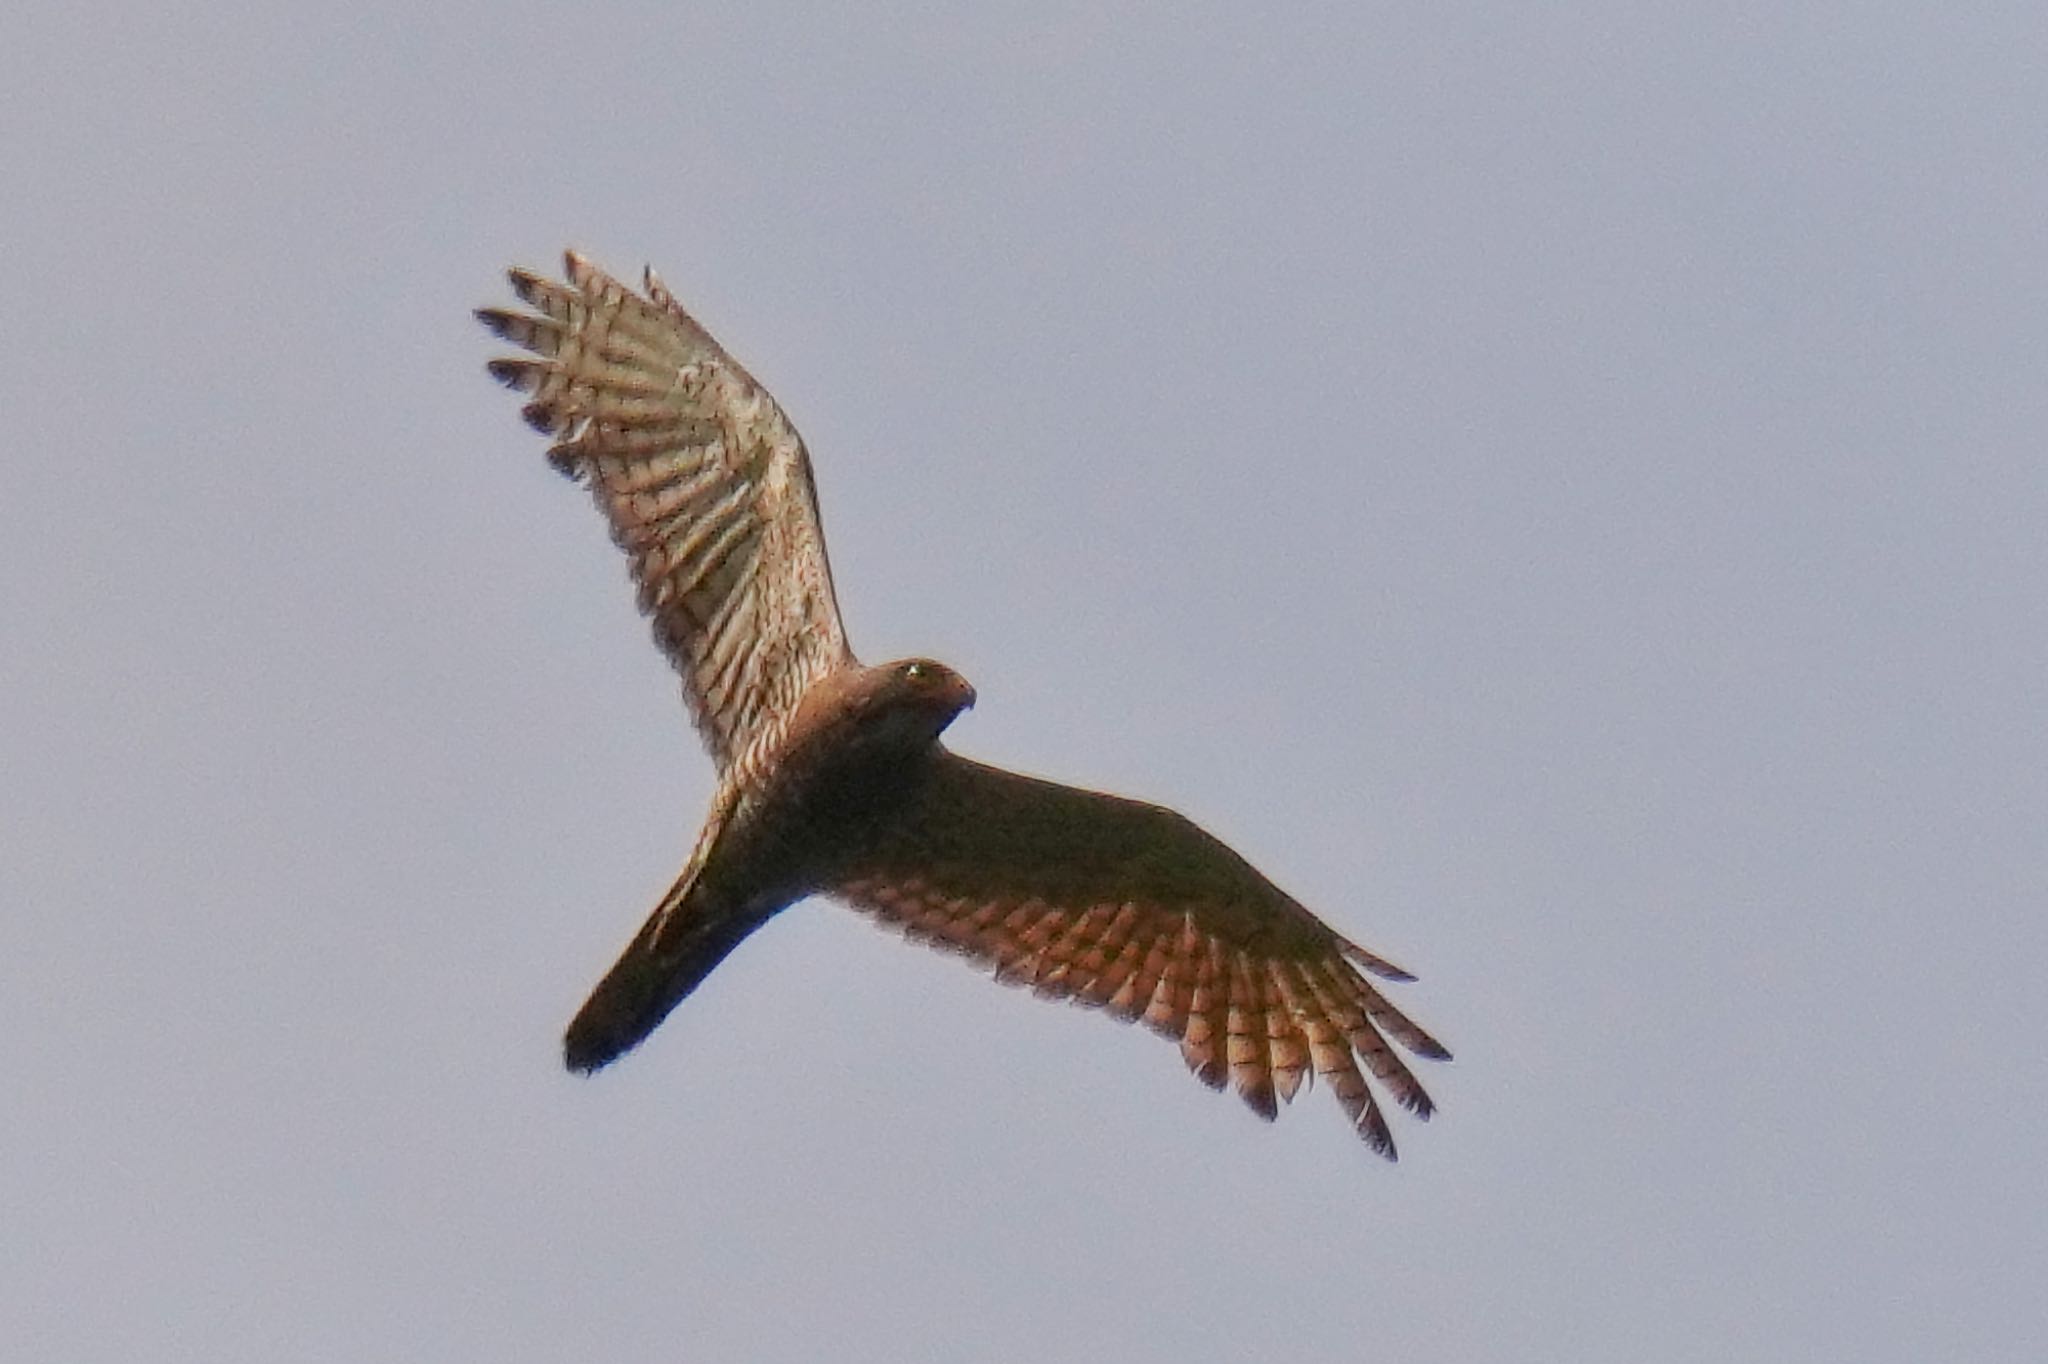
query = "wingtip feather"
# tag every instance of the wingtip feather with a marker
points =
(539, 292)
(1373, 1129)
(1260, 1099)
(1428, 1048)
(1376, 964)
(583, 272)
(657, 290)
(514, 373)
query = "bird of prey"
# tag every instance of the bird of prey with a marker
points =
(831, 777)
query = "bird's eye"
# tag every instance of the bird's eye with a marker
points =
(915, 671)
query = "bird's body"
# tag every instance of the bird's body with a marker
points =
(849, 763)
(832, 779)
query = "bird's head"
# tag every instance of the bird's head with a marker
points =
(861, 714)
(898, 708)
(921, 694)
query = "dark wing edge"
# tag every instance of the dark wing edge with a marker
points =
(1135, 910)
(702, 479)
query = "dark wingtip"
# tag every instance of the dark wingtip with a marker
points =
(1374, 963)
(1378, 1137)
(512, 372)
(530, 285)
(504, 323)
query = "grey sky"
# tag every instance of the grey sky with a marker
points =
(1563, 492)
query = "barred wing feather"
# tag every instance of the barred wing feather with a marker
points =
(1134, 909)
(704, 482)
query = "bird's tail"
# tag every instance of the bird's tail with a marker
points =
(689, 933)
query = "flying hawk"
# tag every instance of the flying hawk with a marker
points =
(831, 777)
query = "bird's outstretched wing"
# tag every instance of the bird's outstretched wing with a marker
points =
(1133, 908)
(704, 481)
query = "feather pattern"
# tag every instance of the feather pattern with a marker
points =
(704, 482)
(1133, 908)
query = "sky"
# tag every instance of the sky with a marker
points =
(1560, 489)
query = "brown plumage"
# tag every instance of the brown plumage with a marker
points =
(831, 778)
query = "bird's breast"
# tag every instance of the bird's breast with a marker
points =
(817, 811)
